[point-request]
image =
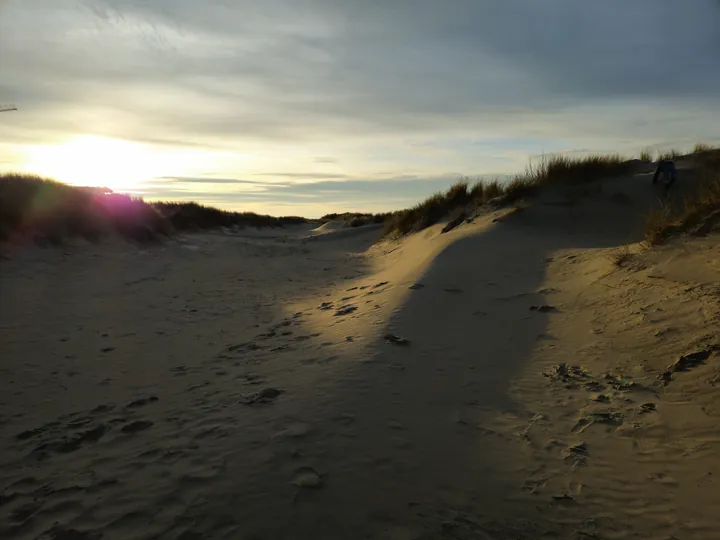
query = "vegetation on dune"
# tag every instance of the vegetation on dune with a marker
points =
(428, 212)
(702, 148)
(558, 169)
(355, 219)
(550, 170)
(193, 216)
(669, 155)
(50, 212)
(697, 214)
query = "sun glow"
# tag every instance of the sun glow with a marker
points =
(90, 160)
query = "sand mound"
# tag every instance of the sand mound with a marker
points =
(329, 226)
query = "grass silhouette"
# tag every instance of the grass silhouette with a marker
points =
(50, 212)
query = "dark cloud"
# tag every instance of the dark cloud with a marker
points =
(578, 48)
(317, 69)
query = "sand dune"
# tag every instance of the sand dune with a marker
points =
(504, 380)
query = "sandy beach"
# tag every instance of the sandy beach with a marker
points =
(533, 373)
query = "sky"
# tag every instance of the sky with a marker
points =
(305, 107)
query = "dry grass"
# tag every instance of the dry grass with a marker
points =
(435, 208)
(561, 169)
(356, 219)
(697, 214)
(557, 169)
(701, 148)
(657, 223)
(193, 216)
(669, 155)
(50, 212)
(646, 154)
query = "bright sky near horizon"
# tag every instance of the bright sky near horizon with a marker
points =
(313, 106)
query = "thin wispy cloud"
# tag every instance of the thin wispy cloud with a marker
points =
(210, 180)
(304, 175)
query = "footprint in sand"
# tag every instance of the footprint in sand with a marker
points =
(563, 496)
(295, 431)
(577, 452)
(345, 310)
(79, 423)
(142, 402)
(611, 418)
(534, 485)
(136, 426)
(396, 340)
(100, 409)
(345, 418)
(266, 395)
(307, 477)
(687, 362)
(549, 290)
(30, 433)
(646, 408)
(543, 309)
(66, 445)
(663, 478)
(251, 346)
(252, 378)
(56, 532)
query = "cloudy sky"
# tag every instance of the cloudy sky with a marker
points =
(310, 106)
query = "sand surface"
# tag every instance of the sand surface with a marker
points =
(504, 380)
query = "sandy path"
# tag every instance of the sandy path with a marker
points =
(123, 380)
(243, 388)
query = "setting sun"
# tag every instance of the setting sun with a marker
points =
(99, 161)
